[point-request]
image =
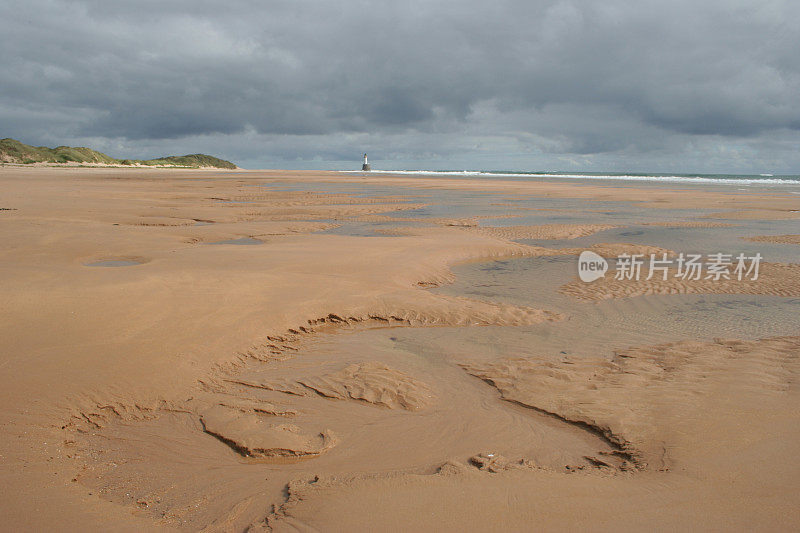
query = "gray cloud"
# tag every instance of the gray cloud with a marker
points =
(448, 83)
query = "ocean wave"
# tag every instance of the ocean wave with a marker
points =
(722, 180)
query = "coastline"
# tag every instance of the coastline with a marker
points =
(670, 178)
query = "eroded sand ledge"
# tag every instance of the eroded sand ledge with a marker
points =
(166, 346)
(667, 408)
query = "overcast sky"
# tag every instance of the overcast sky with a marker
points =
(669, 86)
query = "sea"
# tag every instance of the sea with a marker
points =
(721, 179)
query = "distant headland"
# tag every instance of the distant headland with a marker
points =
(15, 152)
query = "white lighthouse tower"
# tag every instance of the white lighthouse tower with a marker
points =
(365, 167)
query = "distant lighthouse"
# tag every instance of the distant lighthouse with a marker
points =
(365, 166)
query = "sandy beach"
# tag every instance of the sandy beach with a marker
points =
(318, 351)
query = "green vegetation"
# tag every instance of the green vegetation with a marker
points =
(13, 151)
(193, 160)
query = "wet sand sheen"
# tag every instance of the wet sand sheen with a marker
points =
(333, 381)
(464, 418)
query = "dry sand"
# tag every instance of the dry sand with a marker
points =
(199, 385)
(779, 239)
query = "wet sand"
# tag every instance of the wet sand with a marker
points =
(268, 350)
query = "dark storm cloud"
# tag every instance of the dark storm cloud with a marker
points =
(529, 76)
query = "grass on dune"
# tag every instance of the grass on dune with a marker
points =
(13, 151)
